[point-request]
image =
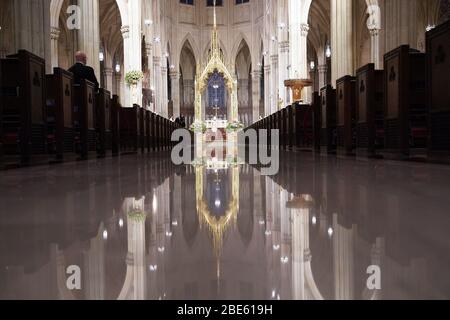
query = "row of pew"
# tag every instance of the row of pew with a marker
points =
(49, 119)
(400, 112)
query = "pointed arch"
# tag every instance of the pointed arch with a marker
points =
(238, 44)
(55, 10)
(188, 38)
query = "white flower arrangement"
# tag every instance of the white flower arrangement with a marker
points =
(235, 126)
(133, 77)
(198, 127)
(137, 216)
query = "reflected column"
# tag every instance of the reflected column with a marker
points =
(135, 285)
(343, 261)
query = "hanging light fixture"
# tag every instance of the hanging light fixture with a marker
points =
(101, 56)
(117, 67)
(328, 51)
(312, 65)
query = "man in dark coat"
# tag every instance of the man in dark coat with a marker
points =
(81, 71)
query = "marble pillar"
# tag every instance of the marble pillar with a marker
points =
(54, 38)
(256, 94)
(175, 79)
(267, 101)
(342, 32)
(108, 79)
(32, 28)
(164, 96)
(157, 84)
(89, 33)
(323, 72)
(283, 63)
(274, 91)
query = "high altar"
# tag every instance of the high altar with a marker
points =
(207, 151)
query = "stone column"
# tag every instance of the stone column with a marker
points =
(132, 44)
(374, 26)
(298, 33)
(31, 20)
(283, 71)
(126, 99)
(164, 97)
(298, 36)
(175, 79)
(157, 84)
(375, 48)
(274, 91)
(341, 39)
(267, 106)
(108, 74)
(117, 80)
(151, 84)
(256, 94)
(54, 37)
(89, 33)
(299, 55)
(322, 69)
(400, 30)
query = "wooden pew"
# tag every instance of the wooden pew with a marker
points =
(115, 125)
(129, 129)
(142, 131)
(164, 132)
(290, 114)
(59, 112)
(346, 115)
(148, 137)
(303, 126)
(370, 109)
(158, 145)
(405, 103)
(84, 120)
(23, 113)
(1, 116)
(328, 120)
(438, 75)
(103, 123)
(316, 106)
(154, 132)
(269, 123)
(282, 119)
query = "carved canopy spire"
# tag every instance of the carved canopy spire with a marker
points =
(215, 35)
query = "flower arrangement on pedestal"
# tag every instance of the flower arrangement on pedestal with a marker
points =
(235, 126)
(137, 216)
(132, 78)
(198, 127)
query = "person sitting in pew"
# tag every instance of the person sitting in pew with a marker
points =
(81, 71)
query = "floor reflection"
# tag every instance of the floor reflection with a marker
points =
(141, 228)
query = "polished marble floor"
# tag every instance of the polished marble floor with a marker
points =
(141, 228)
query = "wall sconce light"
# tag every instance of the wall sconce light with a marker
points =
(101, 56)
(312, 65)
(117, 68)
(328, 51)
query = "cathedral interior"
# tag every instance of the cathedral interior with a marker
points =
(347, 100)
